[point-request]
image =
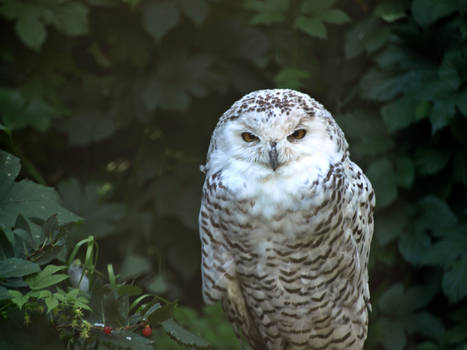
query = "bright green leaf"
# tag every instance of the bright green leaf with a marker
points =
(18, 298)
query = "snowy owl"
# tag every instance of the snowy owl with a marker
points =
(286, 223)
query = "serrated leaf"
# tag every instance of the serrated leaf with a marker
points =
(435, 215)
(381, 175)
(159, 18)
(14, 267)
(335, 16)
(311, 26)
(455, 281)
(182, 336)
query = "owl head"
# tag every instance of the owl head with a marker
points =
(274, 131)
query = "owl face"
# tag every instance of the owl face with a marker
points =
(274, 136)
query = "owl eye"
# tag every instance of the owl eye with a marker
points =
(297, 135)
(249, 137)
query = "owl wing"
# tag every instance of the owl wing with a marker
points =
(361, 199)
(218, 266)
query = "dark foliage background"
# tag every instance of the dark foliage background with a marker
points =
(112, 103)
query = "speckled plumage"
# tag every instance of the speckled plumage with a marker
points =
(286, 250)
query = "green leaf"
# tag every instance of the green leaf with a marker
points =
(291, 78)
(31, 30)
(71, 18)
(46, 277)
(269, 11)
(335, 16)
(14, 267)
(435, 215)
(129, 290)
(196, 10)
(391, 11)
(441, 115)
(381, 175)
(17, 298)
(159, 18)
(101, 217)
(51, 302)
(455, 281)
(430, 160)
(4, 294)
(404, 172)
(182, 336)
(393, 223)
(461, 102)
(26, 197)
(399, 114)
(134, 265)
(311, 26)
(423, 110)
(425, 12)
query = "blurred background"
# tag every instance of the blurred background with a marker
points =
(112, 103)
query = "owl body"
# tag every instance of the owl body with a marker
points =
(285, 242)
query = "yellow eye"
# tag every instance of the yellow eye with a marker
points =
(297, 135)
(249, 137)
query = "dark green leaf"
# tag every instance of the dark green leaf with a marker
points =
(291, 78)
(335, 16)
(134, 265)
(71, 18)
(430, 160)
(26, 197)
(455, 281)
(196, 10)
(399, 114)
(129, 290)
(381, 174)
(311, 26)
(160, 17)
(14, 267)
(46, 277)
(426, 12)
(405, 172)
(391, 11)
(182, 336)
(435, 215)
(393, 223)
(441, 115)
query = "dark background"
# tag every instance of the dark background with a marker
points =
(112, 102)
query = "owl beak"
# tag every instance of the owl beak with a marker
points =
(273, 156)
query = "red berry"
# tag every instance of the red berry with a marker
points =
(147, 331)
(107, 329)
